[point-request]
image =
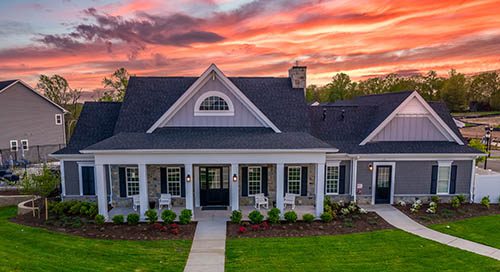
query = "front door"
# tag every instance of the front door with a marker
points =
(383, 184)
(88, 181)
(214, 187)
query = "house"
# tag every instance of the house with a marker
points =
(217, 141)
(32, 126)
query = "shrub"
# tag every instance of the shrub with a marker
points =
(273, 215)
(432, 207)
(455, 202)
(151, 216)
(133, 219)
(256, 217)
(485, 201)
(348, 223)
(242, 230)
(118, 219)
(308, 218)
(415, 207)
(290, 216)
(99, 219)
(353, 207)
(255, 227)
(326, 217)
(185, 217)
(236, 217)
(159, 227)
(264, 225)
(327, 202)
(402, 203)
(168, 216)
(461, 198)
(345, 211)
(435, 199)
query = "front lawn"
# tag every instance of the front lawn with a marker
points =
(483, 229)
(25, 248)
(386, 250)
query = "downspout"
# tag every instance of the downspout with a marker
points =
(354, 178)
(110, 184)
(472, 181)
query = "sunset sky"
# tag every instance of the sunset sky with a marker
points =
(86, 40)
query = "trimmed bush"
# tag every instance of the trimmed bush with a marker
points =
(461, 198)
(99, 219)
(290, 216)
(256, 217)
(273, 215)
(133, 219)
(151, 216)
(455, 202)
(485, 201)
(118, 219)
(308, 218)
(236, 217)
(435, 199)
(326, 217)
(168, 216)
(185, 217)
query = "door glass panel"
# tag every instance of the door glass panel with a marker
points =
(225, 178)
(203, 178)
(214, 178)
(383, 177)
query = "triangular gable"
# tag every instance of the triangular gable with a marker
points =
(211, 72)
(415, 106)
(34, 91)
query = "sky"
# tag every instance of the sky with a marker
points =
(85, 41)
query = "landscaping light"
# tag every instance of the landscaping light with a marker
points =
(370, 167)
(235, 178)
(188, 178)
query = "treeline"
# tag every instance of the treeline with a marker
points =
(480, 92)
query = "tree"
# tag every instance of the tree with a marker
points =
(117, 83)
(454, 92)
(477, 144)
(41, 185)
(340, 88)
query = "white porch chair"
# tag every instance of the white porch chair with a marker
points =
(261, 200)
(289, 200)
(135, 202)
(165, 200)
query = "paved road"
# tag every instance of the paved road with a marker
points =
(493, 164)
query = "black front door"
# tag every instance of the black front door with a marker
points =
(383, 184)
(214, 187)
(88, 181)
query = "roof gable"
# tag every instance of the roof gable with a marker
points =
(5, 85)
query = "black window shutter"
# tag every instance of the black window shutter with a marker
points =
(453, 179)
(183, 182)
(342, 180)
(285, 182)
(303, 181)
(163, 180)
(244, 181)
(264, 181)
(123, 185)
(434, 178)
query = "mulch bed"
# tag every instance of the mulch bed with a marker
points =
(110, 231)
(10, 192)
(360, 223)
(446, 213)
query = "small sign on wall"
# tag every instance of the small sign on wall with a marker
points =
(359, 186)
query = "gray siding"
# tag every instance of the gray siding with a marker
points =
(364, 177)
(242, 116)
(410, 129)
(25, 115)
(347, 176)
(71, 178)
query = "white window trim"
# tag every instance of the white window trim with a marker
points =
(393, 179)
(27, 145)
(338, 178)
(126, 180)
(180, 183)
(198, 112)
(80, 176)
(288, 179)
(12, 146)
(248, 180)
(59, 121)
(440, 165)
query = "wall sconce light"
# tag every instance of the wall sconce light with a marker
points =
(235, 178)
(370, 167)
(188, 178)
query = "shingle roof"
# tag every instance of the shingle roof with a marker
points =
(95, 124)
(210, 138)
(6, 83)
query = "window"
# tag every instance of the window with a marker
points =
(59, 119)
(174, 181)
(443, 180)
(132, 175)
(214, 103)
(294, 176)
(24, 145)
(13, 145)
(254, 180)
(332, 179)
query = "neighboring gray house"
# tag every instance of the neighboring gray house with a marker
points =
(31, 126)
(218, 141)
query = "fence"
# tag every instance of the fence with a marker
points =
(487, 183)
(34, 154)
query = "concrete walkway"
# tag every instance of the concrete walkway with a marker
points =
(401, 221)
(209, 244)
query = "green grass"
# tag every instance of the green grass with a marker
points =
(482, 229)
(32, 249)
(387, 250)
(477, 113)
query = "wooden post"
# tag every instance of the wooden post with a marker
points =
(46, 210)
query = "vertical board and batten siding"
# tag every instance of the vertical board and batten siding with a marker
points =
(25, 115)
(410, 129)
(242, 116)
(347, 181)
(71, 178)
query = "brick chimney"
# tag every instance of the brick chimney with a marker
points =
(297, 75)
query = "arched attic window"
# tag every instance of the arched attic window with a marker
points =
(213, 104)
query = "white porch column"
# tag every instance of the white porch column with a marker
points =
(188, 168)
(280, 187)
(102, 198)
(63, 182)
(320, 187)
(235, 200)
(354, 175)
(143, 190)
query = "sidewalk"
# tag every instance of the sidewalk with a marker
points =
(398, 219)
